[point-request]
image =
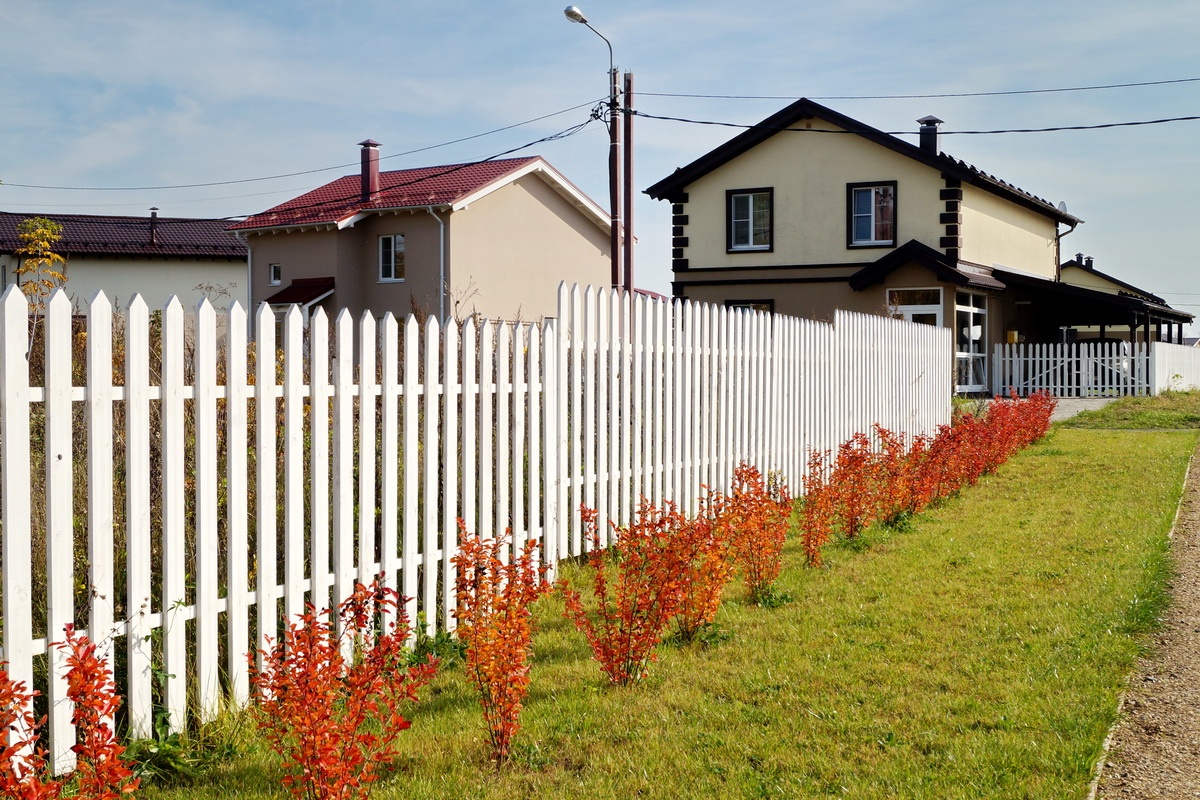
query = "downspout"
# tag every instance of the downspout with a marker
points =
(441, 265)
(244, 239)
(1058, 250)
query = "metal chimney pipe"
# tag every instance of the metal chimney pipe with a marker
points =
(929, 134)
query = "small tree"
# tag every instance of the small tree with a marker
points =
(39, 270)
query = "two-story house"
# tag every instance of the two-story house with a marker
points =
(492, 238)
(810, 211)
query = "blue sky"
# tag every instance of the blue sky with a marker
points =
(131, 94)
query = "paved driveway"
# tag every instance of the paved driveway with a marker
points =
(1070, 406)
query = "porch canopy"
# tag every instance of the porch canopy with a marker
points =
(1057, 305)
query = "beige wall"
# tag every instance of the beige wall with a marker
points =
(1090, 280)
(513, 247)
(819, 300)
(997, 232)
(809, 173)
(156, 280)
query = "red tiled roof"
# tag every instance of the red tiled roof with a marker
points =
(94, 235)
(406, 188)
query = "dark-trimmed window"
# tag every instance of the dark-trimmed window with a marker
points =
(871, 214)
(391, 258)
(749, 219)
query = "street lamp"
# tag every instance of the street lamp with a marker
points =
(614, 160)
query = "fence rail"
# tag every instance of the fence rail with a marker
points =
(178, 492)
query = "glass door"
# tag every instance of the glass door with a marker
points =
(970, 342)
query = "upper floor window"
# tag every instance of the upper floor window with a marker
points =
(872, 214)
(391, 257)
(750, 218)
(274, 274)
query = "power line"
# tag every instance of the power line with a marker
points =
(294, 174)
(335, 201)
(906, 133)
(921, 96)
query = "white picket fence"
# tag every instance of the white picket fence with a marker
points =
(1095, 369)
(198, 530)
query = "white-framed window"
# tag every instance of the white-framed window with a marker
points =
(970, 342)
(872, 214)
(922, 305)
(274, 274)
(750, 218)
(391, 257)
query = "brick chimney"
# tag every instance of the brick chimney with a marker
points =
(370, 169)
(153, 226)
(929, 134)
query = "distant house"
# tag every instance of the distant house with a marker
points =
(811, 211)
(493, 238)
(154, 256)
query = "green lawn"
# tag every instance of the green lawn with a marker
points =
(1169, 410)
(978, 654)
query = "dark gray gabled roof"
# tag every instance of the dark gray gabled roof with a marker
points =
(673, 187)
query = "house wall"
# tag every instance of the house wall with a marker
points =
(809, 173)
(1090, 280)
(998, 232)
(819, 299)
(157, 280)
(311, 254)
(514, 246)
(351, 257)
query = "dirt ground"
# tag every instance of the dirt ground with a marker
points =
(1155, 747)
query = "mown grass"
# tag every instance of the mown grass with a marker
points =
(978, 653)
(1170, 410)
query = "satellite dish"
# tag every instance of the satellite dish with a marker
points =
(1062, 206)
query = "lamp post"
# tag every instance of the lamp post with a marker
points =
(614, 161)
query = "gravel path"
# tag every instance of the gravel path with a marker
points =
(1155, 746)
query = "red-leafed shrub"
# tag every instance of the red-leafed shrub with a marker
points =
(705, 549)
(634, 607)
(855, 482)
(818, 508)
(101, 773)
(336, 720)
(496, 625)
(755, 518)
(885, 482)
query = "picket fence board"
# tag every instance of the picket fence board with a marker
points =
(237, 567)
(99, 412)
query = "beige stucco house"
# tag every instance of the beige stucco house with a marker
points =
(157, 257)
(811, 211)
(493, 238)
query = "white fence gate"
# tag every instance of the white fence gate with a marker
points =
(147, 503)
(1079, 369)
(1095, 369)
